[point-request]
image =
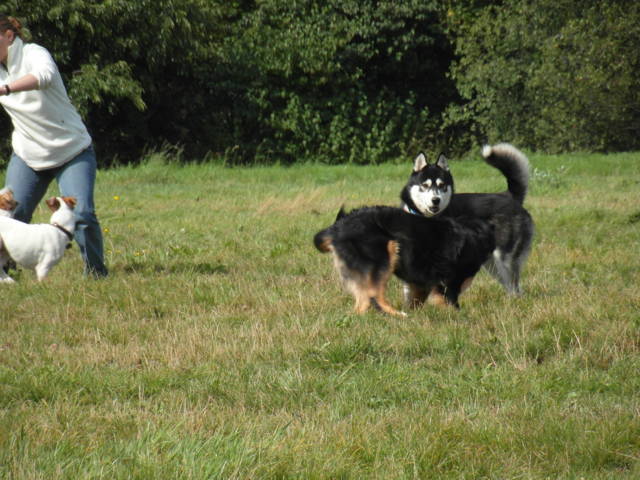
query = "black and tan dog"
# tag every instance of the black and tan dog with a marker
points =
(370, 244)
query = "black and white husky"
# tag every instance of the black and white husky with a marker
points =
(430, 192)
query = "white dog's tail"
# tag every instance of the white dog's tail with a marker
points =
(513, 164)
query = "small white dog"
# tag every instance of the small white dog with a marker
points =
(37, 246)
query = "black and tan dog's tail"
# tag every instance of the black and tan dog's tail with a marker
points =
(513, 164)
(322, 239)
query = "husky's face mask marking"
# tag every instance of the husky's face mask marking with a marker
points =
(433, 187)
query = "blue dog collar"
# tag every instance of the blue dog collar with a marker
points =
(408, 209)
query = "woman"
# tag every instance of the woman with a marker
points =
(49, 139)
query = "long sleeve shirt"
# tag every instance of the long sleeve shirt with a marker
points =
(47, 129)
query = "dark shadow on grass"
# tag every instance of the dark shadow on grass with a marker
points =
(180, 267)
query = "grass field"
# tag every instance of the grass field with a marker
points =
(223, 347)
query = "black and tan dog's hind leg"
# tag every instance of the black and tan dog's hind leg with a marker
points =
(359, 284)
(370, 287)
(380, 288)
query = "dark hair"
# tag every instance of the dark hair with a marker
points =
(10, 23)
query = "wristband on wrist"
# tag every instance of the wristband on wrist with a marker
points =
(7, 90)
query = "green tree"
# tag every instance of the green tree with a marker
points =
(349, 80)
(549, 75)
(135, 70)
(592, 101)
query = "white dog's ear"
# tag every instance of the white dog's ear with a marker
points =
(420, 162)
(53, 204)
(442, 162)
(70, 201)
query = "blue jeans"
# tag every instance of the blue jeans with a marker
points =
(75, 178)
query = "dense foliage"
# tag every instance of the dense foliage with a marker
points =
(340, 79)
(357, 81)
(553, 75)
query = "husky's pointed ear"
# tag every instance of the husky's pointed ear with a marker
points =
(442, 162)
(420, 162)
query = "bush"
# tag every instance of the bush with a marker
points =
(337, 81)
(360, 81)
(550, 76)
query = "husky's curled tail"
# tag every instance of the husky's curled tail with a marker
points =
(514, 225)
(513, 164)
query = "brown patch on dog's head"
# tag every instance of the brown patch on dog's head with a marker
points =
(54, 202)
(70, 201)
(7, 202)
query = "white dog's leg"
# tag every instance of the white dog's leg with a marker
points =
(4, 277)
(41, 270)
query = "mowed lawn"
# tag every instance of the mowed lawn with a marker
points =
(222, 346)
